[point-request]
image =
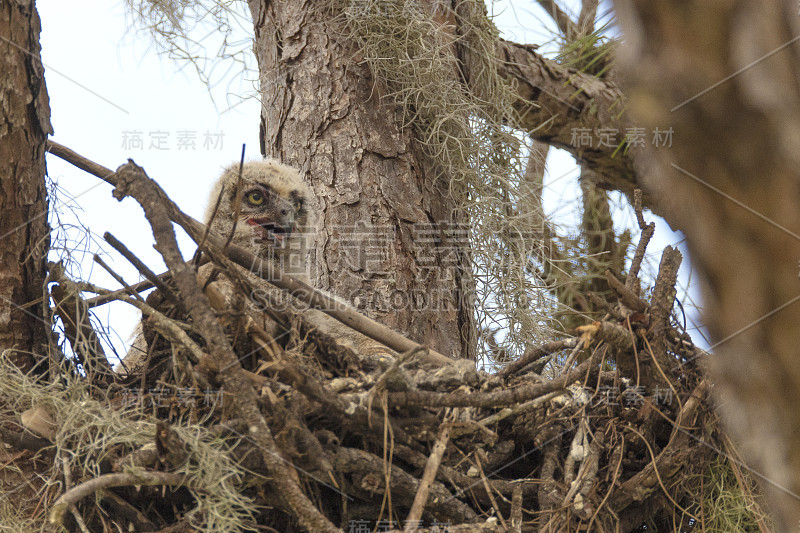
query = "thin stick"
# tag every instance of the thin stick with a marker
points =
(479, 455)
(111, 296)
(625, 293)
(68, 485)
(74, 313)
(237, 202)
(125, 287)
(644, 240)
(141, 267)
(516, 509)
(533, 354)
(144, 285)
(428, 476)
(107, 481)
(500, 398)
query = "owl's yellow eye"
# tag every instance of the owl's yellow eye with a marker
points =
(254, 198)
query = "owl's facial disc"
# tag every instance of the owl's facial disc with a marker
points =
(268, 231)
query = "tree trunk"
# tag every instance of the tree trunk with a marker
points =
(24, 231)
(388, 239)
(724, 76)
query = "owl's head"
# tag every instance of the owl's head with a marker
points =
(274, 210)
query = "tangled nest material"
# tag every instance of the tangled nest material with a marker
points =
(225, 431)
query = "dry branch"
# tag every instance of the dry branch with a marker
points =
(647, 233)
(556, 102)
(415, 514)
(74, 313)
(87, 488)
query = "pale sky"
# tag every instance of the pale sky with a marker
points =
(110, 89)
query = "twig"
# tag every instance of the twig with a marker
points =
(111, 296)
(489, 399)
(479, 456)
(573, 355)
(664, 376)
(586, 17)
(74, 314)
(68, 485)
(644, 240)
(428, 476)
(23, 441)
(562, 20)
(626, 295)
(548, 494)
(662, 303)
(121, 508)
(516, 509)
(533, 354)
(663, 297)
(517, 410)
(614, 479)
(119, 279)
(107, 481)
(142, 268)
(635, 353)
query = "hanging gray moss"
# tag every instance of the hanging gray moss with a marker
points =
(445, 79)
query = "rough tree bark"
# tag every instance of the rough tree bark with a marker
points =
(725, 75)
(386, 238)
(24, 231)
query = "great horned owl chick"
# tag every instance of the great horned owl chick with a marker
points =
(274, 212)
(274, 220)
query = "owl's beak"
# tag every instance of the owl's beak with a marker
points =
(268, 231)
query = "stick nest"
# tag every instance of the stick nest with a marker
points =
(225, 429)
